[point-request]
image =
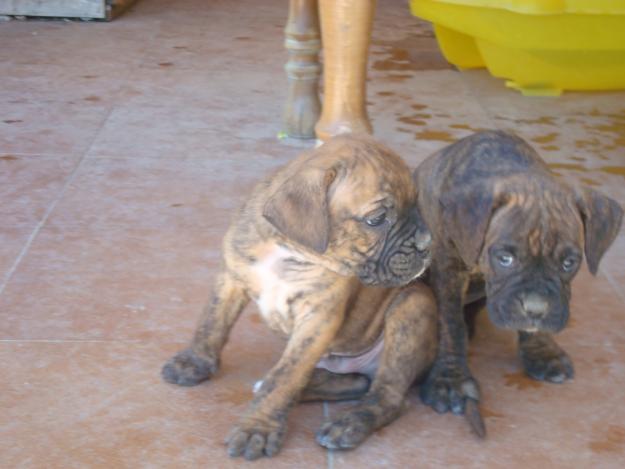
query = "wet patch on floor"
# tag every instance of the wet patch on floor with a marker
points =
(610, 440)
(521, 381)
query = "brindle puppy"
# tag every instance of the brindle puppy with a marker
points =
(316, 246)
(500, 219)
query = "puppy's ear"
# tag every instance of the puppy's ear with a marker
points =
(602, 218)
(299, 208)
(466, 214)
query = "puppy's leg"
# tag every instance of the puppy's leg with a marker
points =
(543, 359)
(200, 360)
(327, 386)
(261, 430)
(449, 383)
(409, 350)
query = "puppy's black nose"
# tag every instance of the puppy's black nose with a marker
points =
(535, 306)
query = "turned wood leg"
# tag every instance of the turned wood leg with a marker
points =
(303, 69)
(346, 32)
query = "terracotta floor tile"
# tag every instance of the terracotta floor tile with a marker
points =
(110, 284)
(99, 404)
(30, 184)
(12, 241)
(577, 424)
(198, 193)
(184, 130)
(28, 125)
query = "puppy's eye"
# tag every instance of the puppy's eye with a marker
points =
(569, 263)
(376, 220)
(505, 259)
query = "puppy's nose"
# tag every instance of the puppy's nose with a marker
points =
(535, 306)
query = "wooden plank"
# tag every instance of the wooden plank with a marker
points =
(63, 8)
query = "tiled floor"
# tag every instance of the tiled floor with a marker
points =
(124, 147)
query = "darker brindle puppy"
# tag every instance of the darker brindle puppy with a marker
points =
(500, 220)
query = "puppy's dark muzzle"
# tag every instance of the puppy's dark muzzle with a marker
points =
(534, 309)
(405, 256)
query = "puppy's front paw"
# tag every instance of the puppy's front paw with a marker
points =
(347, 431)
(255, 438)
(448, 386)
(544, 360)
(187, 368)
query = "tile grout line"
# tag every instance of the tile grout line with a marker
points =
(329, 452)
(51, 207)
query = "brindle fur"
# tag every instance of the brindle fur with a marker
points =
(485, 195)
(328, 281)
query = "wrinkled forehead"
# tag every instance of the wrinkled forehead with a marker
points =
(370, 184)
(539, 222)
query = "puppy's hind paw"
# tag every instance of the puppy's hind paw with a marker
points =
(188, 369)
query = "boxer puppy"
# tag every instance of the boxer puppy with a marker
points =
(501, 220)
(323, 247)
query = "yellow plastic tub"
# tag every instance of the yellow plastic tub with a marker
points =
(541, 47)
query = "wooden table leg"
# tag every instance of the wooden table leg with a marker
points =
(303, 44)
(346, 33)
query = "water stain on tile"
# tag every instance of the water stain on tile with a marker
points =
(544, 120)
(569, 166)
(615, 170)
(521, 381)
(466, 127)
(590, 182)
(411, 120)
(611, 440)
(398, 60)
(434, 135)
(413, 52)
(488, 413)
(8, 158)
(548, 138)
(587, 143)
(398, 76)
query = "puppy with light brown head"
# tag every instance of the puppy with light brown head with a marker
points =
(507, 229)
(323, 247)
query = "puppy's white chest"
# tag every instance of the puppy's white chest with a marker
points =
(274, 289)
